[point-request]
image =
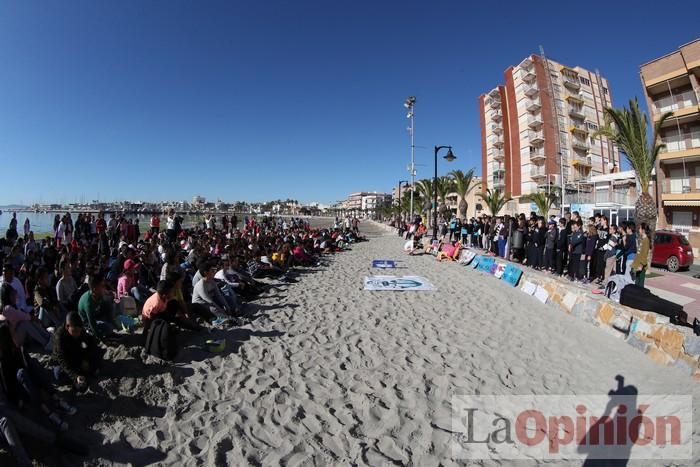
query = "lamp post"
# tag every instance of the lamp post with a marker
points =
(449, 157)
(409, 104)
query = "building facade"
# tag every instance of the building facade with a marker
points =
(538, 127)
(366, 203)
(672, 84)
(612, 195)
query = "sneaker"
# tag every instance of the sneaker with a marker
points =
(219, 322)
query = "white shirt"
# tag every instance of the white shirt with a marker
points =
(21, 296)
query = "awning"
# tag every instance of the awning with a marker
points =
(682, 203)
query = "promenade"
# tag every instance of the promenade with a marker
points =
(330, 374)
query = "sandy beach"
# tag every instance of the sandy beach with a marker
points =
(330, 374)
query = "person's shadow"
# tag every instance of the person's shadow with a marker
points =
(600, 442)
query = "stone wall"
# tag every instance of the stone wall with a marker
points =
(650, 333)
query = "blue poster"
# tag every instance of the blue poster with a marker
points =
(384, 263)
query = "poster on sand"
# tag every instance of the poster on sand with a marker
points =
(398, 283)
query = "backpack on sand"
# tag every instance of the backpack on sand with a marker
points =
(160, 340)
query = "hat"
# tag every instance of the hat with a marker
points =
(130, 265)
(552, 222)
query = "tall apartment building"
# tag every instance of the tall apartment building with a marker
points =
(672, 84)
(538, 126)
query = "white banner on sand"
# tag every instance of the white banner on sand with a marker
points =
(398, 283)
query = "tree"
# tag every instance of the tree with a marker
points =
(464, 184)
(425, 192)
(543, 200)
(627, 128)
(445, 186)
(495, 200)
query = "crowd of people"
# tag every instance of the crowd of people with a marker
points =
(586, 251)
(67, 297)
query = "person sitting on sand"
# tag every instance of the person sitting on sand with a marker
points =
(25, 381)
(95, 311)
(23, 326)
(9, 277)
(206, 292)
(128, 283)
(45, 300)
(76, 352)
(163, 305)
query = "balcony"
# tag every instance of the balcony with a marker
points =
(621, 198)
(677, 150)
(533, 105)
(534, 121)
(530, 91)
(498, 169)
(498, 182)
(538, 173)
(576, 111)
(497, 154)
(681, 103)
(574, 98)
(537, 156)
(496, 116)
(495, 94)
(528, 75)
(580, 143)
(578, 128)
(571, 82)
(535, 137)
(581, 161)
(496, 142)
(495, 103)
(497, 129)
(526, 63)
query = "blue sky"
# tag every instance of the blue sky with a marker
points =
(259, 100)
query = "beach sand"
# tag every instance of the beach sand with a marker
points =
(330, 374)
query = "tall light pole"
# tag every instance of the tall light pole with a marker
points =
(410, 104)
(449, 157)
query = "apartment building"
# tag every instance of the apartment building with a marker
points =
(538, 127)
(672, 84)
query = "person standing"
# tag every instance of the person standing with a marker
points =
(576, 246)
(550, 243)
(561, 247)
(640, 263)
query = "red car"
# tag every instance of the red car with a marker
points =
(672, 249)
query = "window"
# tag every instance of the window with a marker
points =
(605, 91)
(591, 126)
(585, 81)
(661, 239)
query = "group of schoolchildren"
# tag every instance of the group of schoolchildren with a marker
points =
(65, 300)
(587, 252)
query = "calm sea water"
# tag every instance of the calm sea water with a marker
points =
(43, 223)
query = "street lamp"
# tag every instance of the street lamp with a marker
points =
(449, 157)
(409, 104)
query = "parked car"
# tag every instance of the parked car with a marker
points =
(672, 250)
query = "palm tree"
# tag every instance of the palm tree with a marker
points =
(543, 200)
(464, 184)
(425, 192)
(627, 128)
(444, 188)
(495, 200)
